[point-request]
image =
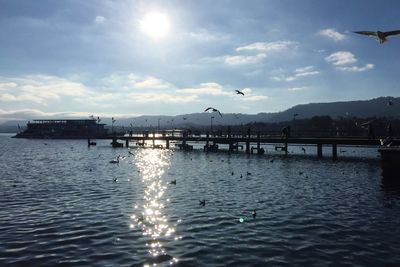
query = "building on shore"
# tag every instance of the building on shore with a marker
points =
(64, 129)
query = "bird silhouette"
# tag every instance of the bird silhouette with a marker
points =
(202, 202)
(213, 110)
(115, 160)
(173, 182)
(239, 92)
(254, 214)
(378, 35)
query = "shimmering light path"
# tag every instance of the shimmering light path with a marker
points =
(151, 164)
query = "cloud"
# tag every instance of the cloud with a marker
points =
(209, 88)
(243, 60)
(25, 114)
(152, 83)
(332, 34)
(249, 96)
(203, 35)
(161, 98)
(341, 58)
(7, 85)
(39, 89)
(129, 81)
(268, 47)
(306, 71)
(297, 89)
(216, 89)
(357, 69)
(99, 19)
(299, 72)
(254, 97)
(255, 53)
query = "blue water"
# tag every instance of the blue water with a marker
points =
(64, 204)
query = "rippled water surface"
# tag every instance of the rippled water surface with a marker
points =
(64, 204)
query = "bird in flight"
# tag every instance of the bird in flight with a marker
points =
(239, 92)
(213, 110)
(380, 36)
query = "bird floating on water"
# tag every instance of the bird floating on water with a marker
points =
(378, 35)
(115, 160)
(254, 214)
(213, 110)
(202, 202)
(173, 182)
(239, 92)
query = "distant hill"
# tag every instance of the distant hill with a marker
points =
(378, 107)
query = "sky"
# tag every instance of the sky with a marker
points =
(130, 58)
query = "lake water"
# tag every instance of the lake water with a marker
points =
(64, 204)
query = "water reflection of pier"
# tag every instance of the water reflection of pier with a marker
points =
(251, 143)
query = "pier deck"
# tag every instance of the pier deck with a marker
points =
(211, 142)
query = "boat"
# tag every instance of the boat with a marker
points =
(64, 129)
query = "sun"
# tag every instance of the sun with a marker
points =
(155, 25)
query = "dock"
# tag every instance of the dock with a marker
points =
(251, 144)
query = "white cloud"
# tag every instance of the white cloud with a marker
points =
(308, 73)
(99, 19)
(129, 81)
(249, 96)
(24, 114)
(332, 34)
(203, 35)
(205, 89)
(255, 98)
(161, 98)
(255, 53)
(7, 85)
(152, 83)
(268, 47)
(39, 89)
(341, 58)
(243, 60)
(357, 69)
(299, 72)
(297, 89)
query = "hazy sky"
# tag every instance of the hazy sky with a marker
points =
(113, 58)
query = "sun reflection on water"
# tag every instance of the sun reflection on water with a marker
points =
(152, 219)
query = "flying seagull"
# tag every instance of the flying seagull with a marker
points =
(239, 92)
(380, 36)
(213, 110)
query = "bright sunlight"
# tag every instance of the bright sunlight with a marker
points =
(155, 25)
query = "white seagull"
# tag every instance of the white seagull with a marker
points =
(378, 35)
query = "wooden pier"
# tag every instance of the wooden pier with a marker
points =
(251, 143)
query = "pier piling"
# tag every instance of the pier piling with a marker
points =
(319, 150)
(334, 151)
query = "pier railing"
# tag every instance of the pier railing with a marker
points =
(251, 141)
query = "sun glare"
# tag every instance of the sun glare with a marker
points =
(155, 25)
